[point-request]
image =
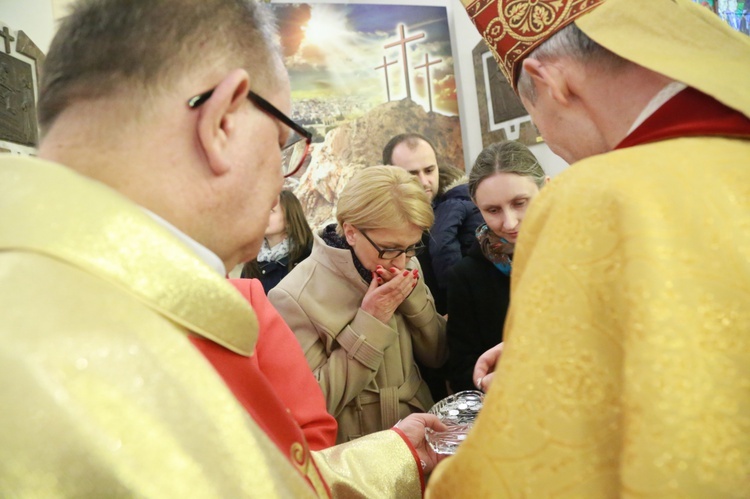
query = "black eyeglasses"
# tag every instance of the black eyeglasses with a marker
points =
(391, 253)
(295, 150)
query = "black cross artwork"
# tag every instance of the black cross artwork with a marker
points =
(5, 34)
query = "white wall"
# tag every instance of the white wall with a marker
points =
(36, 18)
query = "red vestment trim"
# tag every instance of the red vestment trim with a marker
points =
(690, 113)
(413, 453)
(257, 396)
(279, 356)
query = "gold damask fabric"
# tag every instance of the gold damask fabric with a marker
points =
(102, 393)
(378, 465)
(634, 381)
(679, 39)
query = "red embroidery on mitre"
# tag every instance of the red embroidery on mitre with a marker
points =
(514, 28)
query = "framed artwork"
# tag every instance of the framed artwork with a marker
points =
(19, 76)
(360, 74)
(501, 113)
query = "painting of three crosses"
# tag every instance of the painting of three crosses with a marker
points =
(361, 73)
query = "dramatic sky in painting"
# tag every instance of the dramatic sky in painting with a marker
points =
(332, 50)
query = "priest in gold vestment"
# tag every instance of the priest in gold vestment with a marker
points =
(165, 130)
(626, 365)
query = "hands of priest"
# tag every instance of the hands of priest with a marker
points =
(413, 427)
(484, 369)
(388, 289)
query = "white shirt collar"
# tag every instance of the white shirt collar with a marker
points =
(656, 102)
(209, 257)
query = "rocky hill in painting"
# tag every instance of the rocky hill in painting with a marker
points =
(359, 143)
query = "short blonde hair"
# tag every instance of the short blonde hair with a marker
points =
(383, 197)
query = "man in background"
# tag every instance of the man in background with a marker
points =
(456, 216)
(125, 355)
(416, 154)
(626, 364)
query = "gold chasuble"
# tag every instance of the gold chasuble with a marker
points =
(102, 394)
(626, 366)
(642, 389)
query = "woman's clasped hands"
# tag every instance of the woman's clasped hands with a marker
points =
(388, 289)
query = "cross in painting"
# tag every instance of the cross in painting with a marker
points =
(403, 41)
(426, 66)
(384, 67)
(7, 37)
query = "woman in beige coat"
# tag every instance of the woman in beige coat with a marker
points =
(360, 309)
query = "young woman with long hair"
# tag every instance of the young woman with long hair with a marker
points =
(288, 241)
(504, 180)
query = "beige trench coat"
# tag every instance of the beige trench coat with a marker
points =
(366, 368)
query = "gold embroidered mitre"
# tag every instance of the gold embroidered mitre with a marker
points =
(514, 28)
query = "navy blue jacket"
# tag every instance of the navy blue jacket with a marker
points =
(452, 234)
(271, 273)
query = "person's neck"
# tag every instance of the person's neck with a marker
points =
(618, 99)
(275, 239)
(153, 178)
(205, 254)
(661, 98)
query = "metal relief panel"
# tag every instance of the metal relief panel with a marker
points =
(19, 82)
(17, 104)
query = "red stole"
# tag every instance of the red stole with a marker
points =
(257, 396)
(690, 113)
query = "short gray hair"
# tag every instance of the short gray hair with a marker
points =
(106, 46)
(568, 42)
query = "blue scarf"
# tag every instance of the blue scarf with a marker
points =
(495, 249)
